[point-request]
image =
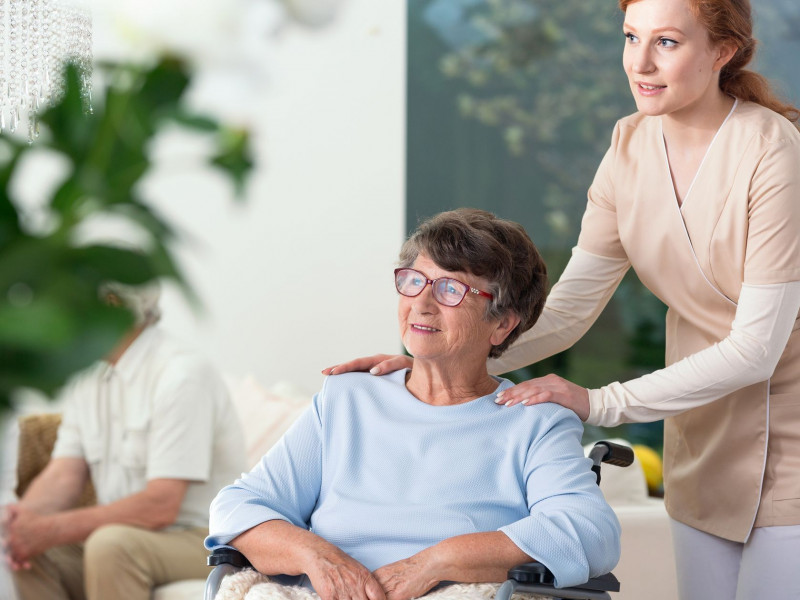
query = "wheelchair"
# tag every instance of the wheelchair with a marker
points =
(530, 578)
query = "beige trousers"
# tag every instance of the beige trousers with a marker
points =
(117, 562)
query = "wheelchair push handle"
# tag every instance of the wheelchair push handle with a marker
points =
(611, 453)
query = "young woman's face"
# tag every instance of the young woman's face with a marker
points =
(672, 66)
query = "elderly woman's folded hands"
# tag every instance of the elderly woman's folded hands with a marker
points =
(337, 576)
(277, 547)
(407, 578)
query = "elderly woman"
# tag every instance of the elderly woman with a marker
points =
(390, 485)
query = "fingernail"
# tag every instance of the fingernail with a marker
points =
(508, 403)
(498, 400)
(526, 402)
(331, 371)
(374, 371)
(500, 394)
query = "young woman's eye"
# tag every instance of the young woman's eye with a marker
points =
(667, 43)
(631, 38)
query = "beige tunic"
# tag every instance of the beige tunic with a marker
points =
(734, 463)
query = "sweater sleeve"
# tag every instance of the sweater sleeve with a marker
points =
(571, 528)
(765, 317)
(573, 305)
(284, 485)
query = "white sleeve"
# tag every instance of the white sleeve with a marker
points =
(761, 328)
(573, 305)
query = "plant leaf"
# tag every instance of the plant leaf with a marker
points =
(235, 157)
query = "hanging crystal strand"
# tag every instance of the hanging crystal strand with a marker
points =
(3, 83)
(77, 28)
(36, 69)
(84, 49)
(48, 60)
(36, 38)
(58, 43)
(25, 66)
(13, 57)
(70, 26)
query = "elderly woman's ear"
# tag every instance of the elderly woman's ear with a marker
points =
(505, 325)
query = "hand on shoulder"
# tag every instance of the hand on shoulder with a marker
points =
(550, 388)
(377, 364)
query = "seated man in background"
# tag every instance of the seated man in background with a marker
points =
(154, 429)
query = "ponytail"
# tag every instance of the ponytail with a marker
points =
(748, 85)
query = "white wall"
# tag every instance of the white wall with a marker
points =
(299, 277)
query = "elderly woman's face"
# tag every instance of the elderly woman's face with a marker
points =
(431, 331)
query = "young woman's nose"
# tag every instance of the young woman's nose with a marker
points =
(642, 60)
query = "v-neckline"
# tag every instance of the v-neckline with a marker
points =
(678, 203)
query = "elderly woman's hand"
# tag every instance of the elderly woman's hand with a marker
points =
(278, 546)
(378, 364)
(405, 579)
(337, 576)
(550, 388)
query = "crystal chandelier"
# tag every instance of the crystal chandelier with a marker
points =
(38, 37)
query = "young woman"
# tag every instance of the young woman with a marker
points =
(700, 193)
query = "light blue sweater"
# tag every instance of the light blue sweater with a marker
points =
(383, 476)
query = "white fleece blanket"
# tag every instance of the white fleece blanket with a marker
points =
(251, 585)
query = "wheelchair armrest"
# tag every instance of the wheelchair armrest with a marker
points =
(537, 573)
(531, 573)
(225, 561)
(535, 578)
(228, 556)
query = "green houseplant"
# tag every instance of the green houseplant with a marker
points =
(52, 319)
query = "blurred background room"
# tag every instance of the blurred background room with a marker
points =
(278, 152)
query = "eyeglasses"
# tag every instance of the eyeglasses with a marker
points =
(446, 290)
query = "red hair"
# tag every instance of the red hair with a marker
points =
(732, 21)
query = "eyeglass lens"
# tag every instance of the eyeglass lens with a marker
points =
(447, 291)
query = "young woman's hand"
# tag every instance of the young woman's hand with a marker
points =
(377, 364)
(550, 388)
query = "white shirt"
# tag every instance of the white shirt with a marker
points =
(160, 413)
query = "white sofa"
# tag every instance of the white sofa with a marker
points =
(646, 569)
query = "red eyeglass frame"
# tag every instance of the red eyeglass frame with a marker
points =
(430, 282)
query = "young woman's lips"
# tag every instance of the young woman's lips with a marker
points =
(648, 89)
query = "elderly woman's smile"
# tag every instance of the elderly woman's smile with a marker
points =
(423, 328)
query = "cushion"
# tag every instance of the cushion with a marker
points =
(265, 414)
(37, 436)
